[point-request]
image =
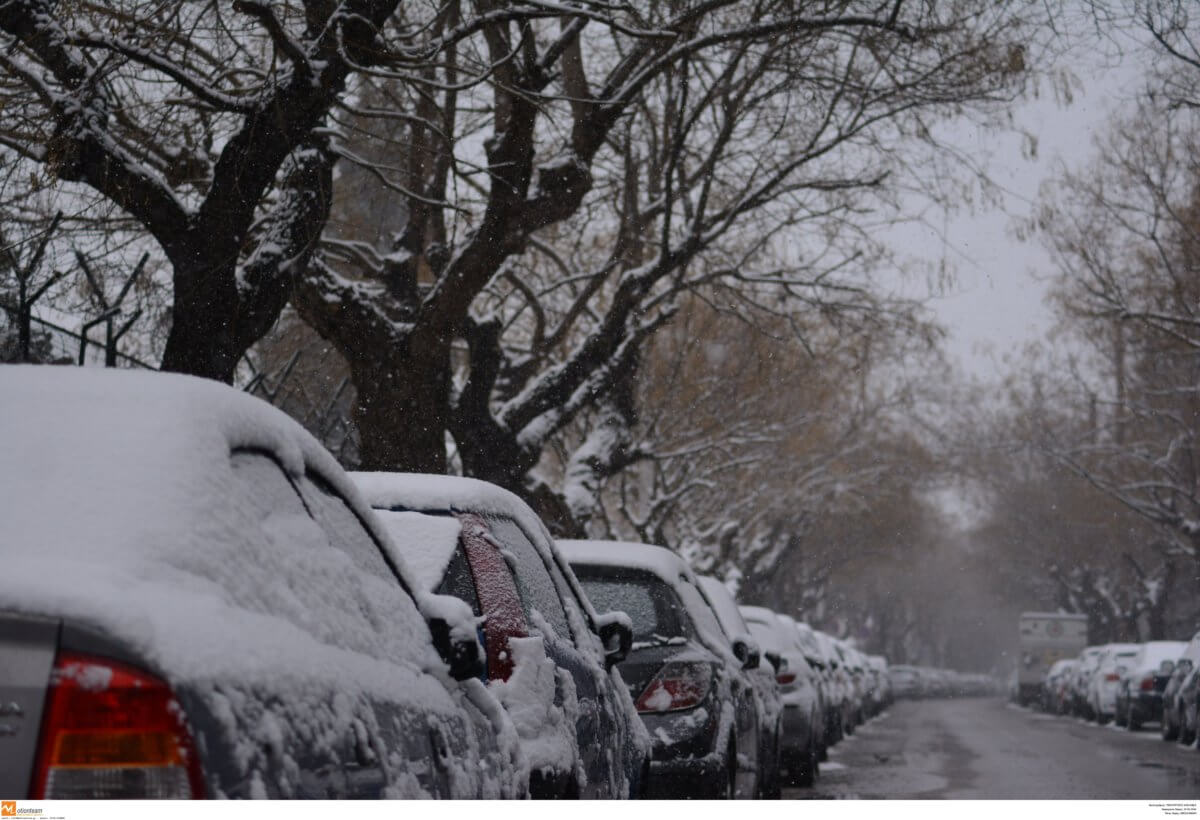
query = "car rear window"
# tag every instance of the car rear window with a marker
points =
(536, 587)
(655, 609)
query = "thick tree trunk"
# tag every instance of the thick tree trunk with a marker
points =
(401, 410)
(203, 336)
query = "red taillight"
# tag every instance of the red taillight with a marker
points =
(112, 731)
(678, 685)
(1112, 677)
(785, 678)
(1147, 684)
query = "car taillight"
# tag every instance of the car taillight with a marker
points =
(785, 678)
(1147, 684)
(678, 685)
(112, 731)
(1112, 677)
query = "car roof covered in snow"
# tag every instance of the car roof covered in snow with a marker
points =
(122, 512)
(427, 492)
(658, 560)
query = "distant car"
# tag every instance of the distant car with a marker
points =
(769, 706)
(686, 681)
(196, 602)
(802, 727)
(1055, 689)
(546, 655)
(1139, 692)
(1103, 684)
(1089, 659)
(906, 681)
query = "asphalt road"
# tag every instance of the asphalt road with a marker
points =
(989, 749)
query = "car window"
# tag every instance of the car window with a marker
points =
(651, 604)
(457, 582)
(301, 568)
(342, 526)
(536, 587)
(706, 622)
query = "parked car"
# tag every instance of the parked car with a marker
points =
(1102, 686)
(1188, 702)
(1139, 692)
(802, 727)
(1056, 687)
(837, 687)
(196, 602)
(1089, 659)
(768, 705)
(687, 684)
(906, 681)
(818, 658)
(481, 544)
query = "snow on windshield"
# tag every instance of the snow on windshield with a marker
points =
(425, 543)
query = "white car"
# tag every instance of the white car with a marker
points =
(1106, 679)
(803, 736)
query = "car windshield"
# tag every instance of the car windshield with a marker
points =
(657, 613)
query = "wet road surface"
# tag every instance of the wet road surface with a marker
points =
(989, 749)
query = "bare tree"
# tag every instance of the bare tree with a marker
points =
(568, 173)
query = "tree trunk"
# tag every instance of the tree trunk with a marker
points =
(203, 336)
(401, 410)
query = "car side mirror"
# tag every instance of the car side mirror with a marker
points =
(616, 633)
(774, 659)
(460, 652)
(746, 651)
(815, 663)
(1166, 668)
(455, 637)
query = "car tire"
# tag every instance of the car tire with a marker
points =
(1169, 731)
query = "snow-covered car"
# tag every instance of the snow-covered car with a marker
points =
(1174, 712)
(761, 675)
(837, 688)
(1102, 686)
(803, 734)
(551, 660)
(906, 681)
(881, 685)
(684, 678)
(852, 663)
(816, 656)
(1055, 695)
(1089, 659)
(196, 602)
(1139, 692)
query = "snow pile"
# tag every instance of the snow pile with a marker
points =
(530, 696)
(124, 511)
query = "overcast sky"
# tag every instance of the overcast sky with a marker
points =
(997, 303)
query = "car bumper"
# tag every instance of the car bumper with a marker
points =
(797, 730)
(1146, 706)
(686, 758)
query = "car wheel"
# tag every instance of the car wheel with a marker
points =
(731, 772)
(1186, 736)
(1168, 731)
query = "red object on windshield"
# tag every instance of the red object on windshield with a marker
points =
(497, 593)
